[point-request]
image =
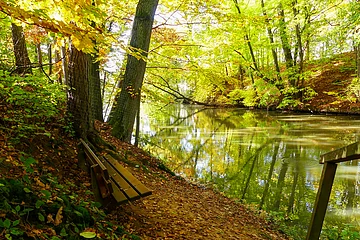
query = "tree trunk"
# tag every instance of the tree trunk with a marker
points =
(50, 58)
(78, 94)
(300, 50)
(39, 56)
(271, 39)
(22, 61)
(123, 117)
(285, 44)
(95, 88)
(58, 67)
(65, 66)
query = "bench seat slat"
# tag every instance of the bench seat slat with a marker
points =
(134, 182)
(118, 194)
(121, 183)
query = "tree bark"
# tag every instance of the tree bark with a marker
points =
(22, 60)
(65, 66)
(95, 88)
(78, 94)
(123, 117)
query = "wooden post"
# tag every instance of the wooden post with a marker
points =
(322, 199)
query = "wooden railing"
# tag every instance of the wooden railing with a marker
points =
(330, 160)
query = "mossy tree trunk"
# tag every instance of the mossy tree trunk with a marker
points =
(127, 105)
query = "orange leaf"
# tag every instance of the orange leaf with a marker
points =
(58, 218)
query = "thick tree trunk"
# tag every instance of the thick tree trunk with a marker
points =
(22, 61)
(95, 88)
(78, 94)
(123, 117)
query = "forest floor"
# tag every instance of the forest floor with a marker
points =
(332, 80)
(54, 187)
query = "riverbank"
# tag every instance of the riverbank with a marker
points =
(179, 209)
(333, 80)
(45, 195)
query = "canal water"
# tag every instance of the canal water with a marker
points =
(266, 159)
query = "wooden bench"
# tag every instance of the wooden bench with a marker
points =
(112, 178)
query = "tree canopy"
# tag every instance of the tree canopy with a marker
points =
(250, 53)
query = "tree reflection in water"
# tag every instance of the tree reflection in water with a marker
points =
(269, 159)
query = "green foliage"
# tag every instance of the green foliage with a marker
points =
(292, 98)
(342, 231)
(268, 94)
(31, 102)
(353, 90)
(246, 97)
(40, 203)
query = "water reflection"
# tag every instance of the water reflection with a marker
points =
(264, 158)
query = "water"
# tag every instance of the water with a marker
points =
(268, 159)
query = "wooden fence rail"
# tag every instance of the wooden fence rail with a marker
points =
(330, 160)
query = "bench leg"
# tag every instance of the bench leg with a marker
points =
(95, 187)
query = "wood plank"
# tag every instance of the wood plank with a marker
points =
(121, 183)
(133, 181)
(118, 194)
(347, 153)
(91, 155)
(322, 199)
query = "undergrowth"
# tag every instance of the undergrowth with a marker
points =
(28, 104)
(43, 193)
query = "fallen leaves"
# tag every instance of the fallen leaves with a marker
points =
(178, 209)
